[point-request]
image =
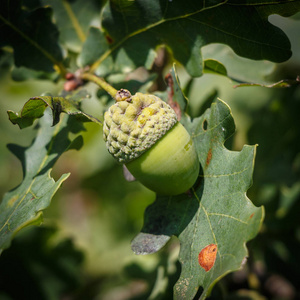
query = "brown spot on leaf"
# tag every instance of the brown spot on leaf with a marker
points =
(207, 257)
(171, 102)
(170, 83)
(251, 216)
(109, 39)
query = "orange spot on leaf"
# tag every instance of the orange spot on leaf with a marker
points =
(209, 157)
(207, 257)
(251, 216)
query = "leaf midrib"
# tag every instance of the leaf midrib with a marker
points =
(74, 21)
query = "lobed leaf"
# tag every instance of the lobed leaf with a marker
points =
(238, 69)
(34, 108)
(32, 35)
(23, 205)
(214, 220)
(73, 19)
(132, 30)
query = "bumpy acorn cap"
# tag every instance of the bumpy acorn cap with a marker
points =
(134, 123)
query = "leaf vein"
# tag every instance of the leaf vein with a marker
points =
(223, 175)
(195, 227)
(146, 28)
(227, 216)
(74, 21)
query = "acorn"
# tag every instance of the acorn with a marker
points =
(142, 132)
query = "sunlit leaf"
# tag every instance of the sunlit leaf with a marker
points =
(215, 213)
(23, 205)
(34, 108)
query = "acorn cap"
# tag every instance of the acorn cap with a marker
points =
(134, 123)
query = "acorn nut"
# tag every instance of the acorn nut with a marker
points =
(142, 132)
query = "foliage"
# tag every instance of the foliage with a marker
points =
(53, 258)
(132, 44)
(215, 205)
(21, 207)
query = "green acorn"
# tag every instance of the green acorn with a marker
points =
(142, 132)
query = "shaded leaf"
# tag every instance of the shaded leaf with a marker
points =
(73, 19)
(285, 8)
(32, 35)
(6, 61)
(216, 211)
(238, 68)
(22, 206)
(93, 48)
(288, 198)
(22, 74)
(134, 29)
(125, 59)
(34, 108)
(278, 159)
(45, 266)
(275, 127)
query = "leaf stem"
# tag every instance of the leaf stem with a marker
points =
(101, 82)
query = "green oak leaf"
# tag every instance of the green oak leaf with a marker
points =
(215, 212)
(6, 61)
(23, 74)
(34, 108)
(132, 31)
(73, 19)
(215, 67)
(238, 69)
(32, 35)
(23, 205)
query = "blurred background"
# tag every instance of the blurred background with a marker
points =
(82, 251)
